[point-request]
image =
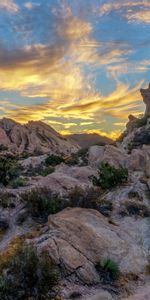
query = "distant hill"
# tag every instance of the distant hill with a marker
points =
(86, 140)
(35, 137)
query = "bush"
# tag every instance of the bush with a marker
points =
(85, 199)
(9, 170)
(18, 182)
(48, 170)
(81, 158)
(42, 202)
(135, 209)
(109, 176)
(53, 160)
(108, 270)
(28, 276)
(7, 200)
(3, 147)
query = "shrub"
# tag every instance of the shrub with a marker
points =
(42, 202)
(3, 147)
(89, 198)
(28, 276)
(18, 182)
(83, 198)
(9, 170)
(7, 200)
(135, 209)
(48, 170)
(108, 270)
(109, 176)
(54, 160)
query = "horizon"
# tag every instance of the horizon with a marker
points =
(77, 66)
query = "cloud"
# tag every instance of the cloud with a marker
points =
(9, 5)
(134, 11)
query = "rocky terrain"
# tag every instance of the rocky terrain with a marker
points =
(90, 214)
(33, 138)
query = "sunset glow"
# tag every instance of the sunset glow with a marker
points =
(77, 65)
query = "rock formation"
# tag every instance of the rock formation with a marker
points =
(146, 98)
(34, 138)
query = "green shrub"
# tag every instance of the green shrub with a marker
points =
(108, 270)
(18, 182)
(48, 170)
(28, 276)
(3, 147)
(42, 202)
(53, 160)
(109, 176)
(9, 170)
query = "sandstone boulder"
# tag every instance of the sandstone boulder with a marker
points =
(76, 239)
(34, 138)
(111, 154)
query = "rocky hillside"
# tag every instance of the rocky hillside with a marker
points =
(78, 229)
(85, 140)
(33, 138)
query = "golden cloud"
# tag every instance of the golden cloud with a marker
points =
(134, 10)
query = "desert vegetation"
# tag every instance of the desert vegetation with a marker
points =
(109, 176)
(28, 276)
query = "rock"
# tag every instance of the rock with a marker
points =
(34, 138)
(95, 155)
(33, 161)
(146, 98)
(137, 160)
(80, 173)
(132, 123)
(111, 154)
(59, 182)
(143, 293)
(4, 225)
(78, 238)
(101, 295)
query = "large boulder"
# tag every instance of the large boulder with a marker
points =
(146, 98)
(76, 239)
(111, 154)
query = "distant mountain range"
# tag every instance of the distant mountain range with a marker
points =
(86, 140)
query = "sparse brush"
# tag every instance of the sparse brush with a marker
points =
(42, 202)
(108, 270)
(53, 160)
(109, 176)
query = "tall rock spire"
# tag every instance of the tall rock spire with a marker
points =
(146, 98)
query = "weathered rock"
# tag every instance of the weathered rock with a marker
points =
(146, 98)
(132, 123)
(34, 138)
(78, 238)
(96, 154)
(59, 182)
(111, 154)
(101, 295)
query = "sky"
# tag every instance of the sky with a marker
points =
(77, 65)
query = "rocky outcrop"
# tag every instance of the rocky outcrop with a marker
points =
(76, 239)
(146, 98)
(34, 138)
(111, 154)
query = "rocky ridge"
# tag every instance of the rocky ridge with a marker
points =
(33, 138)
